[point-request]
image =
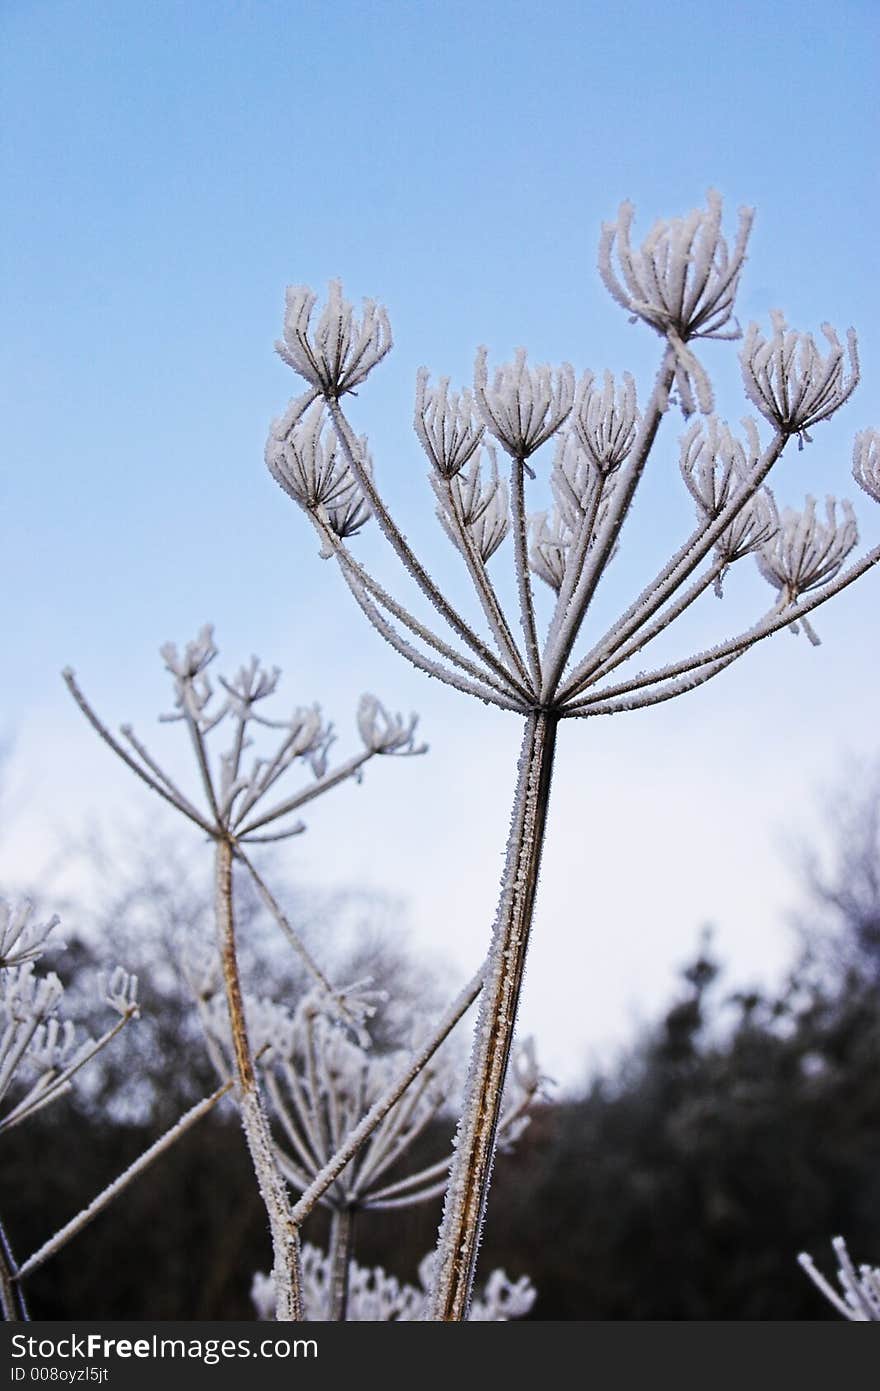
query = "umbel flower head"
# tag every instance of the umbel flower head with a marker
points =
(682, 281)
(790, 381)
(806, 552)
(866, 462)
(336, 354)
(446, 425)
(311, 469)
(605, 421)
(524, 405)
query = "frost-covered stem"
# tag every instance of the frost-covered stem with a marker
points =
(281, 919)
(402, 548)
(771, 623)
(308, 794)
(48, 1087)
(380, 1108)
(475, 1141)
(353, 568)
(405, 649)
(102, 730)
(605, 541)
(495, 615)
(673, 574)
(647, 634)
(255, 1123)
(12, 1305)
(574, 566)
(523, 573)
(338, 1261)
(106, 1196)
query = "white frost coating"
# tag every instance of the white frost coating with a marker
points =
(860, 1301)
(525, 405)
(480, 505)
(606, 421)
(550, 538)
(446, 425)
(235, 784)
(384, 733)
(866, 462)
(806, 552)
(376, 1297)
(790, 382)
(683, 282)
(21, 939)
(312, 471)
(716, 468)
(338, 353)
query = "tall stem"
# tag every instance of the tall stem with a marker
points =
(273, 1190)
(475, 1143)
(338, 1261)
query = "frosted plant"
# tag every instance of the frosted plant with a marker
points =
(322, 1084)
(860, 1299)
(866, 462)
(376, 1297)
(40, 1051)
(682, 283)
(239, 805)
(806, 553)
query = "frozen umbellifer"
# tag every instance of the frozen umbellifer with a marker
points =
(682, 283)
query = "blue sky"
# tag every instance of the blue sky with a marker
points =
(169, 168)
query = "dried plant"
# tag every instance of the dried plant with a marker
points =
(375, 1297)
(40, 1051)
(860, 1299)
(682, 283)
(239, 806)
(322, 1083)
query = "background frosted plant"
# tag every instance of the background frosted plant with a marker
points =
(859, 1297)
(239, 806)
(322, 1083)
(40, 1051)
(376, 1297)
(681, 282)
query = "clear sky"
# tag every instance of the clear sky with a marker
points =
(167, 169)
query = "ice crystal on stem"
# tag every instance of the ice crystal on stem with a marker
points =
(682, 282)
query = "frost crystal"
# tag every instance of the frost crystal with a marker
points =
(336, 354)
(313, 472)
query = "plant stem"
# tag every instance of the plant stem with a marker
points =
(338, 1260)
(475, 1142)
(273, 1190)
